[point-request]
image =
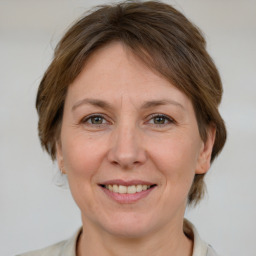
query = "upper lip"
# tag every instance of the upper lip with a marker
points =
(126, 182)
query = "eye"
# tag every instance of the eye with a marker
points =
(94, 120)
(160, 120)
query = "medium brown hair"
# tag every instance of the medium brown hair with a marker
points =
(163, 38)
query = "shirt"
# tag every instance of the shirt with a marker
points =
(68, 247)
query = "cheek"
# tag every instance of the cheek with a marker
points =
(176, 158)
(82, 154)
(82, 157)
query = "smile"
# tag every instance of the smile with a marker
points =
(121, 189)
(127, 192)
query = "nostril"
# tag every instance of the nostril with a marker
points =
(115, 162)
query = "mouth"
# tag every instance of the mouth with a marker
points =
(132, 189)
(126, 192)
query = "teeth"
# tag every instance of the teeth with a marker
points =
(115, 188)
(139, 188)
(131, 189)
(122, 189)
(127, 189)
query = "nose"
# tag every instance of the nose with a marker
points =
(126, 150)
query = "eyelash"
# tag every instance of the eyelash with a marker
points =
(85, 120)
(167, 118)
(151, 117)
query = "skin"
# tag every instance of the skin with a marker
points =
(127, 143)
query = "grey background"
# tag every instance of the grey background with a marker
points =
(35, 212)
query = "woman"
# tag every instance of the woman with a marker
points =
(129, 108)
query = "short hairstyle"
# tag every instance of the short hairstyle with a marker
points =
(163, 38)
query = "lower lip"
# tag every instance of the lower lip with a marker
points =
(127, 198)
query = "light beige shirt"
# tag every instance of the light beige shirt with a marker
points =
(68, 247)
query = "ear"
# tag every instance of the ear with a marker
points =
(59, 156)
(204, 158)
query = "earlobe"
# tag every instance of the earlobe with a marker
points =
(59, 157)
(204, 159)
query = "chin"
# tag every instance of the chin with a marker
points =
(129, 225)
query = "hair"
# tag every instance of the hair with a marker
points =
(164, 39)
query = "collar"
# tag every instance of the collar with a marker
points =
(69, 247)
(199, 246)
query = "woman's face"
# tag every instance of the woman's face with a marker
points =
(129, 145)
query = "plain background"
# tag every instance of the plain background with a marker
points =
(35, 212)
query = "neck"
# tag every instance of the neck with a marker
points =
(168, 241)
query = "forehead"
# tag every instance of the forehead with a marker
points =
(113, 71)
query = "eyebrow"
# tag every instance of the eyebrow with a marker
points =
(94, 102)
(145, 105)
(155, 103)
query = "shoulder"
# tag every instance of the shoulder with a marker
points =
(63, 248)
(53, 250)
